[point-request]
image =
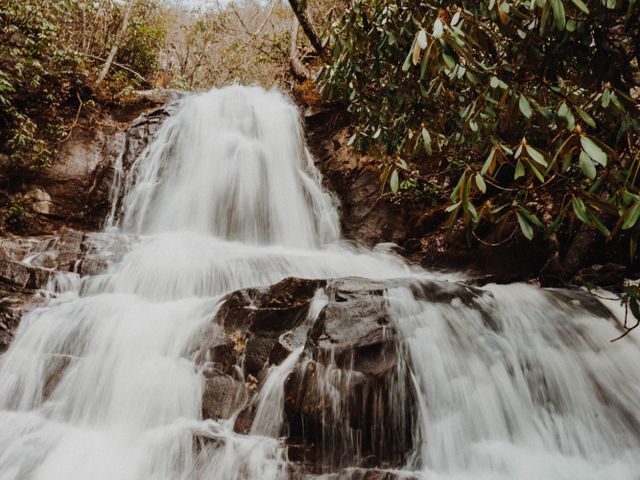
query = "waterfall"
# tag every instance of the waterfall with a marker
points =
(517, 385)
(232, 163)
(101, 381)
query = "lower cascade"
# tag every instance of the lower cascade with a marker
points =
(236, 336)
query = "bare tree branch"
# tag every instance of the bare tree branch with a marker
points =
(299, 70)
(308, 29)
(233, 7)
(116, 43)
(266, 19)
(119, 65)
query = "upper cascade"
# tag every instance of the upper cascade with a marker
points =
(231, 163)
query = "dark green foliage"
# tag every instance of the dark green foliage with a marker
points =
(37, 76)
(17, 214)
(526, 104)
(50, 53)
(140, 50)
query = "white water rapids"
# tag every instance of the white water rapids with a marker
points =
(99, 385)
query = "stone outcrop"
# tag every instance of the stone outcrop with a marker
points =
(354, 178)
(350, 408)
(75, 191)
(31, 264)
(419, 227)
(253, 329)
(349, 346)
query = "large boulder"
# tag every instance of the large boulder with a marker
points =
(348, 401)
(76, 191)
(29, 265)
(253, 329)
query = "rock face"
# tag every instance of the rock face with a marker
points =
(79, 182)
(75, 191)
(254, 328)
(419, 228)
(349, 405)
(348, 400)
(31, 264)
(12, 302)
(366, 218)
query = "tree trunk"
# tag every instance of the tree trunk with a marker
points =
(299, 70)
(308, 29)
(116, 43)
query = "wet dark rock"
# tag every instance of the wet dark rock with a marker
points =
(13, 301)
(31, 264)
(609, 276)
(23, 275)
(354, 178)
(130, 144)
(55, 369)
(369, 474)
(348, 401)
(579, 301)
(75, 191)
(222, 395)
(350, 406)
(253, 329)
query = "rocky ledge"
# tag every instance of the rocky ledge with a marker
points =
(31, 267)
(75, 192)
(349, 403)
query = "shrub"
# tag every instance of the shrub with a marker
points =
(17, 214)
(528, 104)
(36, 78)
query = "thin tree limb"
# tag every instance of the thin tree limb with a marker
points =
(116, 43)
(308, 29)
(116, 64)
(266, 19)
(240, 18)
(298, 68)
(75, 120)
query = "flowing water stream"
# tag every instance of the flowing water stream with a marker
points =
(99, 383)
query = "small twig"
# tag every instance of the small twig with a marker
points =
(119, 65)
(240, 18)
(266, 19)
(75, 120)
(628, 329)
(501, 242)
(532, 187)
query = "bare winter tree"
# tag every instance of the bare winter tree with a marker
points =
(298, 68)
(301, 14)
(116, 43)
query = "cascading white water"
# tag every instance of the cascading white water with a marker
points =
(533, 391)
(99, 384)
(243, 174)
